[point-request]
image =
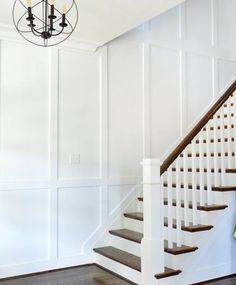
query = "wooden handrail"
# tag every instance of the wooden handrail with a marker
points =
(199, 126)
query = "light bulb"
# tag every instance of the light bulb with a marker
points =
(64, 9)
(52, 2)
(29, 3)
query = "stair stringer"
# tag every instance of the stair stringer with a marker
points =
(218, 244)
(116, 219)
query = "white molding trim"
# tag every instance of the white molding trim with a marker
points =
(8, 32)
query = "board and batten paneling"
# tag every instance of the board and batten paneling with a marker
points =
(75, 125)
(54, 147)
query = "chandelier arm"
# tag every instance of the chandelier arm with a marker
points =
(59, 32)
(57, 20)
(35, 32)
(38, 29)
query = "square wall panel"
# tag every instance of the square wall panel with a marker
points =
(199, 22)
(227, 73)
(165, 28)
(164, 99)
(199, 86)
(24, 224)
(79, 217)
(24, 111)
(226, 23)
(125, 108)
(79, 115)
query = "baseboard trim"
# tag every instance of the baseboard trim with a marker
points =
(115, 274)
(46, 271)
(215, 280)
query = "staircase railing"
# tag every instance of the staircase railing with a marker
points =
(199, 162)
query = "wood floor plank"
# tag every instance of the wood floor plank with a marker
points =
(86, 275)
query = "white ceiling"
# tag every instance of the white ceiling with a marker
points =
(100, 21)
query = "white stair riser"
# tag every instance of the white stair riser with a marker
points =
(214, 195)
(201, 216)
(228, 162)
(231, 179)
(126, 245)
(171, 261)
(118, 268)
(227, 146)
(134, 225)
(198, 176)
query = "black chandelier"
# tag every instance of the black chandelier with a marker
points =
(42, 23)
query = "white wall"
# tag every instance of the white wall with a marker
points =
(75, 125)
(66, 164)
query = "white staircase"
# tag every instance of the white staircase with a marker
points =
(186, 200)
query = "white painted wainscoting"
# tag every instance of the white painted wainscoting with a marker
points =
(74, 126)
(64, 171)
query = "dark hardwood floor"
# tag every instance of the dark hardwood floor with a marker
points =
(87, 275)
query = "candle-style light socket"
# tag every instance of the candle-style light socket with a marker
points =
(30, 15)
(63, 23)
(52, 12)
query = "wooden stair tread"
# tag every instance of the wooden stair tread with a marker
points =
(226, 154)
(214, 188)
(225, 116)
(191, 228)
(135, 216)
(128, 234)
(168, 273)
(131, 260)
(224, 188)
(212, 170)
(137, 237)
(219, 127)
(231, 170)
(207, 208)
(231, 104)
(212, 140)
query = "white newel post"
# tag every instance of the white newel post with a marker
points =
(152, 247)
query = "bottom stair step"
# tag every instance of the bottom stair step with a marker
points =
(120, 256)
(131, 260)
(137, 237)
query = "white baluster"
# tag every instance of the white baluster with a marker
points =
(234, 120)
(201, 169)
(170, 207)
(216, 158)
(194, 183)
(178, 204)
(222, 146)
(152, 247)
(208, 160)
(186, 190)
(229, 149)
